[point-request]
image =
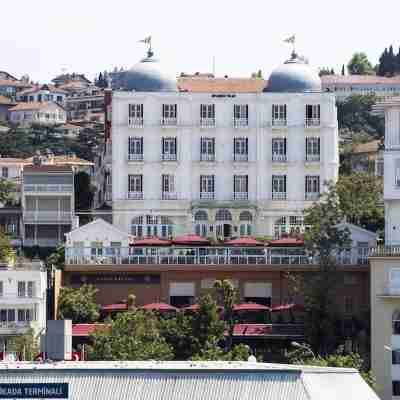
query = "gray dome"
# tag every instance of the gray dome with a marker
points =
(294, 76)
(146, 76)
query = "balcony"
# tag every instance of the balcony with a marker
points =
(240, 157)
(168, 157)
(169, 195)
(42, 242)
(240, 122)
(312, 196)
(47, 216)
(279, 157)
(313, 157)
(312, 122)
(279, 122)
(135, 157)
(240, 195)
(14, 327)
(169, 122)
(135, 195)
(207, 195)
(279, 195)
(207, 157)
(207, 122)
(135, 122)
(385, 251)
(47, 188)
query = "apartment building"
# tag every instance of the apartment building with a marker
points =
(42, 93)
(43, 113)
(86, 105)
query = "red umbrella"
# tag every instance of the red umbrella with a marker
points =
(114, 307)
(288, 307)
(244, 241)
(286, 242)
(159, 307)
(191, 239)
(151, 241)
(250, 307)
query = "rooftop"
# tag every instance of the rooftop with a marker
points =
(33, 105)
(221, 85)
(358, 80)
(47, 168)
(369, 147)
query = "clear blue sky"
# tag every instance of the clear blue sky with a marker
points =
(41, 37)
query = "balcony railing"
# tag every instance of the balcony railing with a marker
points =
(240, 122)
(279, 157)
(14, 325)
(279, 122)
(240, 157)
(42, 242)
(312, 196)
(135, 157)
(279, 195)
(48, 188)
(207, 122)
(312, 122)
(207, 195)
(385, 251)
(207, 256)
(48, 216)
(169, 196)
(313, 157)
(207, 157)
(135, 195)
(168, 157)
(169, 122)
(240, 195)
(135, 122)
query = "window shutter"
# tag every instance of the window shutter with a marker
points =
(213, 145)
(176, 145)
(247, 145)
(234, 183)
(162, 145)
(284, 146)
(141, 145)
(247, 111)
(234, 148)
(319, 146)
(284, 183)
(247, 183)
(163, 110)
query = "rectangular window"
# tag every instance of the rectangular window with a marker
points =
(1, 288)
(207, 149)
(240, 115)
(168, 187)
(4, 172)
(240, 187)
(207, 187)
(396, 388)
(312, 187)
(207, 115)
(348, 305)
(31, 289)
(135, 187)
(21, 289)
(169, 114)
(313, 115)
(21, 315)
(135, 148)
(136, 111)
(313, 149)
(396, 357)
(279, 149)
(240, 149)
(169, 146)
(278, 114)
(397, 173)
(279, 187)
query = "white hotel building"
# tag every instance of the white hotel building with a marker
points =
(217, 162)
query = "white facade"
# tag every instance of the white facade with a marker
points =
(40, 113)
(22, 300)
(278, 161)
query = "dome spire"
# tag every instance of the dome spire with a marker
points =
(147, 40)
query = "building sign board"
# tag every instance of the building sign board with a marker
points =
(33, 390)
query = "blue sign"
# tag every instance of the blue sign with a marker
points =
(33, 390)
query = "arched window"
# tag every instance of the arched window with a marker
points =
(201, 215)
(223, 215)
(152, 225)
(245, 216)
(396, 322)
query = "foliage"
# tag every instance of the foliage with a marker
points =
(359, 65)
(57, 258)
(131, 336)
(389, 63)
(7, 191)
(240, 352)
(326, 71)
(79, 304)
(257, 74)
(7, 253)
(83, 191)
(360, 197)
(26, 344)
(354, 116)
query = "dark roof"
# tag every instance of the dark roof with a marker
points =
(47, 168)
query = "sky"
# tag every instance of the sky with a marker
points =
(43, 38)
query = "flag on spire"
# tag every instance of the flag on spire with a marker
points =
(146, 40)
(290, 39)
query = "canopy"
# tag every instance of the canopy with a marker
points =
(159, 307)
(191, 239)
(151, 241)
(288, 307)
(244, 241)
(284, 242)
(114, 307)
(250, 307)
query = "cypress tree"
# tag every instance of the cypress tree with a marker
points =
(397, 70)
(391, 61)
(343, 73)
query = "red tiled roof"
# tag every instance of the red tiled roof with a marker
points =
(86, 329)
(36, 88)
(48, 168)
(191, 239)
(33, 105)
(250, 307)
(151, 241)
(4, 100)
(358, 80)
(286, 242)
(159, 307)
(252, 329)
(221, 85)
(6, 82)
(287, 307)
(114, 307)
(244, 241)
(369, 147)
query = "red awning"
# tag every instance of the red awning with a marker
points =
(244, 241)
(159, 307)
(114, 307)
(288, 307)
(191, 239)
(252, 329)
(86, 329)
(250, 307)
(151, 241)
(286, 242)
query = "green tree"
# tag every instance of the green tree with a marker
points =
(130, 336)
(26, 345)
(7, 253)
(240, 352)
(360, 197)
(7, 191)
(343, 70)
(57, 258)
(359, 65)
(79, 305)
(326, 71)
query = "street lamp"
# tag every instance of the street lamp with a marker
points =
(304, 347)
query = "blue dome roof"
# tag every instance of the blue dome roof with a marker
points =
(294, 76)
(146, 76)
